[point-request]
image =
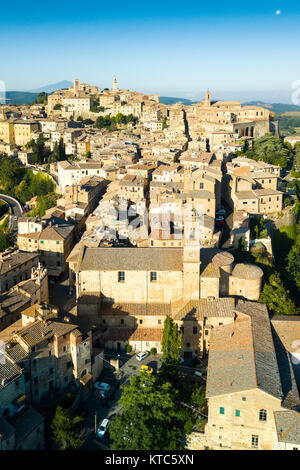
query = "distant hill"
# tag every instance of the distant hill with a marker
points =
(277, 108)
(27, 97)
(52, 87)
(171, 100)
(19, 97)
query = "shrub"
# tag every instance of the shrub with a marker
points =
(153, 351)
(128, 348)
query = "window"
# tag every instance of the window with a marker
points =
(69, 364)
(51, 371)
(35, 380)
(201, 185)
(121, 276)
(244, 398)
(122, 321)
(222, 410)
(254, 442)
(153, 276)
(206, 332)
(262, 415)
(195, 330)
(237, 413)
(141, 321)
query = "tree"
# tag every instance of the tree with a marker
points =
(57, 106)
(5, 240)
(41, 99)
(64, 429)
(293, 259)
(164, 123)
(171, 347)
(277, 298)
(270, 149)
(297, 156)
(9, 173)
(150, 419)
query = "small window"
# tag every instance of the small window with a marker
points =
(254, 442)
(195, 330)
(122, 321)
(153, 276)
(262, 415)
(237, 413)
(121, 276)
(222, 410)
(141, 321)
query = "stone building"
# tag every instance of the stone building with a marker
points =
(52, 352)
(252, 394)
(21, 296)
(16, 266)
(53, 243)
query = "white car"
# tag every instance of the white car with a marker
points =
(102, 386)
(103, 428)
(198, 373)
(142, 355)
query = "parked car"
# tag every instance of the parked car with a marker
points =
(197, 373)
(103, 428)
(142, 355)
(146, 369)
(221, 212)
(100, 394)
(102, 386)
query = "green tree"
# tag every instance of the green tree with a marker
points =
(270, 149)
(64, 431)
(57, 106)
(41, 99)
(150, 418)
(293, 260)
(171, 347)
(277, 298)
(5, 240)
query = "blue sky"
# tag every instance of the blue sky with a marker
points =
(170, 47)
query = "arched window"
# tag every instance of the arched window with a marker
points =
(262, 415)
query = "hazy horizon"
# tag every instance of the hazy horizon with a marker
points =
(246, 52)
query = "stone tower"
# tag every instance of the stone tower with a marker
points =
(76, 84)
(115, 84)
(191, 270)
(208, 98)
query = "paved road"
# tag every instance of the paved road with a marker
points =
(41, 170)
(94, 408)
(16, 210)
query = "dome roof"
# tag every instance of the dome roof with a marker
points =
(247, 271)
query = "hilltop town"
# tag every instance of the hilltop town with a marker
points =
(160, 216)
